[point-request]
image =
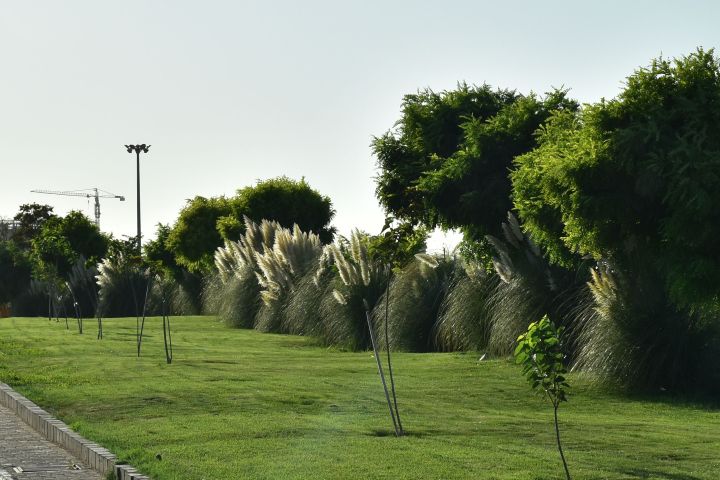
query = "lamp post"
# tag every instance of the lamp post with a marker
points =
(137, 149)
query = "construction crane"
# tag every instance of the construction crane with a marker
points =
(95, 193)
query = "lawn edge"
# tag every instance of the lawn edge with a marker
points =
(97, 457)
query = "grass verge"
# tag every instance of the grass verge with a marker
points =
(241, 404)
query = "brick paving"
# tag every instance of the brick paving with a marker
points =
(25, 455)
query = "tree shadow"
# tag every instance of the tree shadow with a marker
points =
(645, 473)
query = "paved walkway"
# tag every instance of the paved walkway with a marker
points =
(25, 455)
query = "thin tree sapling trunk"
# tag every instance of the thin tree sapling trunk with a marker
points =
(557, 436)
(387, 348)
(380, 369)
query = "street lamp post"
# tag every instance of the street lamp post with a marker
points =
(137, 149)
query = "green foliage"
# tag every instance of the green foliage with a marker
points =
(446, 164)
(61, 241)
(540, 352)
(204, 224)
(288, 202)
(160, 256)
(636, 179)
(398, 243)
(31, 218)
(15, 271)
(194, 237)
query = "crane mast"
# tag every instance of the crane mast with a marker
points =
(95, 193)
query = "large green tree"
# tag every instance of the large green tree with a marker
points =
(30, 218)
(194, 237)
(204, 223)
(446, 163)
(636, 180)
(62, 240)
(287, 202)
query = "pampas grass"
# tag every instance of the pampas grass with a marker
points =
(463, 320)
(234, 292)
(415, 294)
(634, 337)
(293, 255)
(359, 280)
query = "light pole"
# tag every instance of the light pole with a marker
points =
(137, 149)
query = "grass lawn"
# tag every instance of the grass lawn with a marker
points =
(239, 404)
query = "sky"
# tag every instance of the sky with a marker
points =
(232, 92)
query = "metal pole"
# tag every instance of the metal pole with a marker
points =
(139, 233)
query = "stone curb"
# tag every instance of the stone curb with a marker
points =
(98, 458)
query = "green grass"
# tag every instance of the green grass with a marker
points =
(240, 404)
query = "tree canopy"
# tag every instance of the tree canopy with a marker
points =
(31, 217)
(446, 163)
(62, 240)
(635, 180)
(204, 223)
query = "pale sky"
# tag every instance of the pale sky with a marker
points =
(228, 92)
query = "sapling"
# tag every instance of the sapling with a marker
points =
(540, 353)
(376, 353)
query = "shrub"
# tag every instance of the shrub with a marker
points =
(360, 280)
(634, 336)
(122, 286)
(234, 292)
(416, 295)
(293, 254)
(463, 320)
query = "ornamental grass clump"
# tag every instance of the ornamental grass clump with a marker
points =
(645, 342)
(463, 321)
(359, 280)
(234, 292)
(294, 253)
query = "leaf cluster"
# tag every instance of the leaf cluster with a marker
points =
(540, 353)
(446, 163)
(635, 180)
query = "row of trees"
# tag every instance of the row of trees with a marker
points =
(616, 201)
(601, 216)
(47, 252)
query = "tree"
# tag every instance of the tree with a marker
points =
(15, 271)
(287, 202)
(204, 224)
(61, 241)
(159, 254)
(84, 236)
(540, 352)
(31, 217)
(194, 237)
(635, 180)
(446, 164)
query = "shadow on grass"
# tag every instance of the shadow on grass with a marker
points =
(645, 473)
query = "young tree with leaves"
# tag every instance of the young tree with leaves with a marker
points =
(540, 352)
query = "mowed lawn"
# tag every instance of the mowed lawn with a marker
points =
(240, 404)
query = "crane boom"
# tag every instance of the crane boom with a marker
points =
(95, 193)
